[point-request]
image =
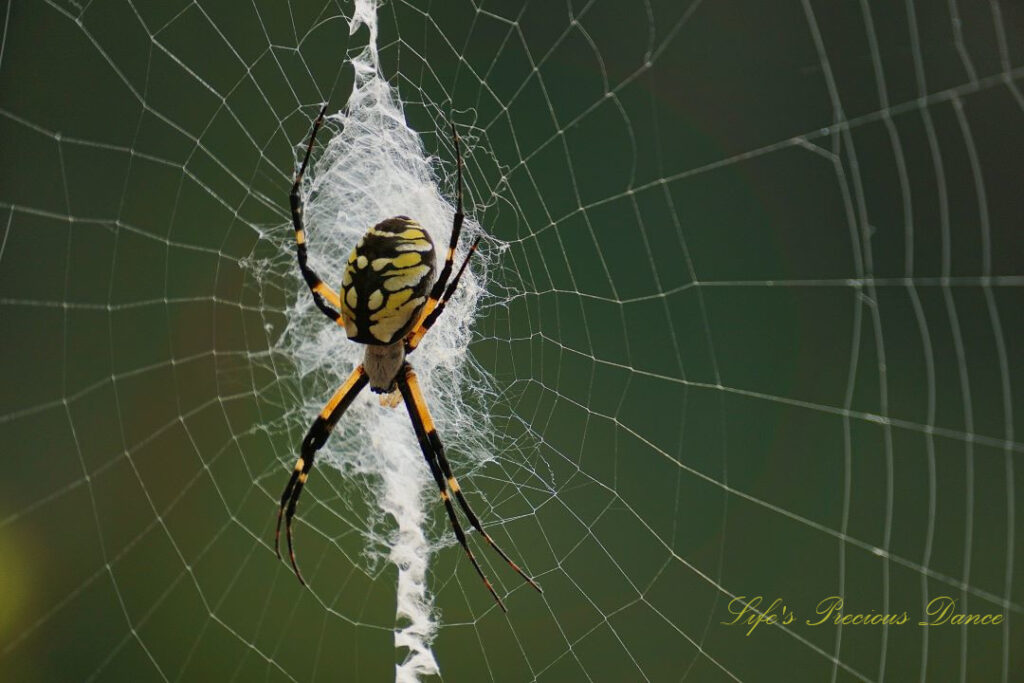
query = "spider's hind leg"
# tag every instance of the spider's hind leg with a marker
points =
(453, 485)
(433, 451)
(315, 438)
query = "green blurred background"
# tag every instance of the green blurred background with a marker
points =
(757, 332)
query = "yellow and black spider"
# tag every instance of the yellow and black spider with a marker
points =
(384, 304)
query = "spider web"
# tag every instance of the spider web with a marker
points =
(746, 323)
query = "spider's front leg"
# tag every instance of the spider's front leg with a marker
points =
(442, 291)
(316, 437)
(325, 298)
(435, 307)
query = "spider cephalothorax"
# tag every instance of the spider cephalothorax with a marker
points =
(388, 301)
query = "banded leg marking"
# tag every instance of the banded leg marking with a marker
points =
(424, 425)
(435, 469)
(453, 241)
(428, 320)
(437, 291)
(316, 437)
(453, 484)
(324, 297)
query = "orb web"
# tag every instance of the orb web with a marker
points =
(744, 323)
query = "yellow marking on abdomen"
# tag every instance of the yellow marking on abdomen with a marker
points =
(444, 495)
(303, 477)
(392, 304)
(300, 236)
(453, 485)
(410, 258)
(415, 245)
(391, 323)
(299, 464)
(408, 277)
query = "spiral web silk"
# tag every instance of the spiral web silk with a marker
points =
(745, 322)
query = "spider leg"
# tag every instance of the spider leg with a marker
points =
(421, 422)
(438, 290)
(324, 297)
(414, 337)
(433, 450)
(446, 271)
(453, 485)
(316, 437)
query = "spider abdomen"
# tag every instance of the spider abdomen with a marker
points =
(386, 281)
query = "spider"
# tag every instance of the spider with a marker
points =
(384, 304)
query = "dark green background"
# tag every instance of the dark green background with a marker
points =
(760, 336)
